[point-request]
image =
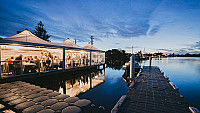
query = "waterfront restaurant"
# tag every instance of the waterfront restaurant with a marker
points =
(25, 53)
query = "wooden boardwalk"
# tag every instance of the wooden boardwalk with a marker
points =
(152, 93)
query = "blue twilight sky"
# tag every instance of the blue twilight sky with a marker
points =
(156, 25)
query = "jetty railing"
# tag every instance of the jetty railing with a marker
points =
(23, 67)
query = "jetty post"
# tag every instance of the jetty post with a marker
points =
(132, 66)
(63, 59)
(150, 58)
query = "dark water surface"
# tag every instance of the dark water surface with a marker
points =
(108, 93)
(183, 72)
(102, 87)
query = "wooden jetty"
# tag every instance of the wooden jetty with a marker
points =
(152, 93)
(24, 97)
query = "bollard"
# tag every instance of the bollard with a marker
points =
(150, 58)
(132, 66)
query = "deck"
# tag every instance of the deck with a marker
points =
(153, 93)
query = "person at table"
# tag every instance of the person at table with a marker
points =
(31, 59)
(17, 64)
(56, 58)
(50, 55)
(25, 59)
(45, 55)
(36, 61)
(10, 60)
(19, 58)
(48, 62)
(42, 55)
(55, 62)
(10, 64)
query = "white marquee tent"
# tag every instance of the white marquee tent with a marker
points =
(27, 38)
(89, 46)
(69, 43)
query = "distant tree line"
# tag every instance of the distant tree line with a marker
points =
(184, 55)
(116, 58)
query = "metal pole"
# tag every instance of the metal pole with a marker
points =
(39, 67)
(64, 59)
(90, 57)
(21, 67)
(150, 58)
(0, 61)
(132, 66)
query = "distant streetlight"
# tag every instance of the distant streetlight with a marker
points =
(132, 49)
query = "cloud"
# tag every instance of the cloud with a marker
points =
(192, 49)
(73, 19)
(167, 50)
(196, 45)
(154, 30)
(17, 17)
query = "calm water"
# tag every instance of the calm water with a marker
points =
(108, 93)
(185, 73)
(103, 88)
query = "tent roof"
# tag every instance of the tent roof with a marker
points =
(89, 46)
(69, 43)
(27, 36)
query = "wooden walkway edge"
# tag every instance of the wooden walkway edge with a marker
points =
(152, 93)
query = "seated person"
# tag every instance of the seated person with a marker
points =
(48, 62)
(10, 64)
(36, 61)
(31, 59)
(19, 58)
(17, 64)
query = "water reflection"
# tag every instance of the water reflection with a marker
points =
(74, 87)
(71, 84)
(115, 65)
